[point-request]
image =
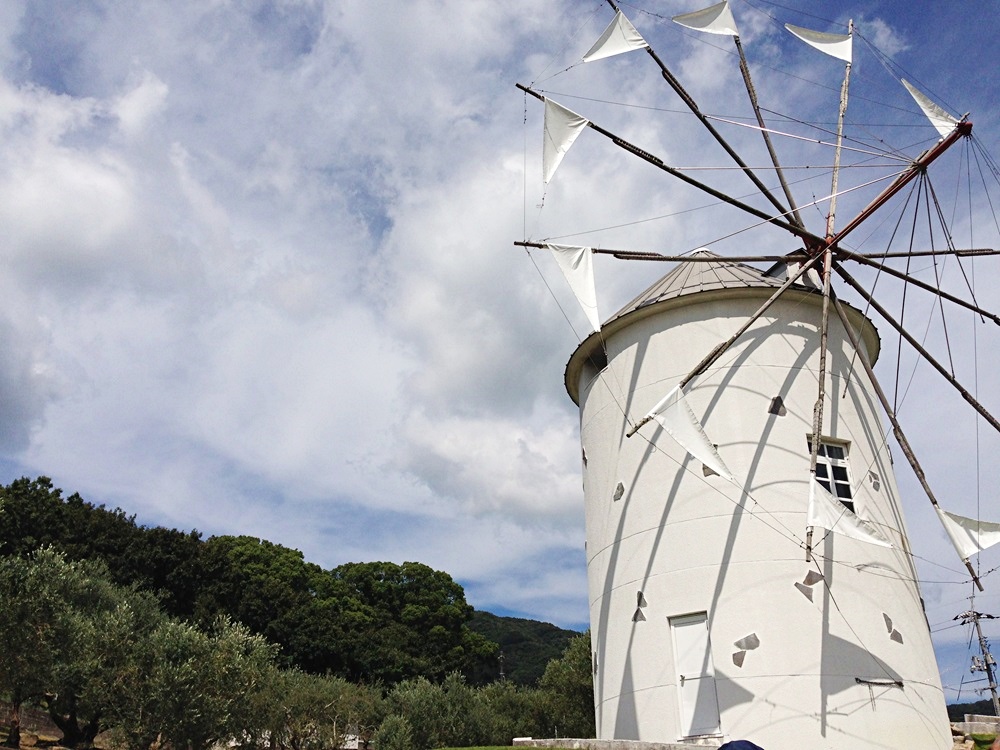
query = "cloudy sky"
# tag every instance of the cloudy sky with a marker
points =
(259, 274)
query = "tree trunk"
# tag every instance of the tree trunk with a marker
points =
(74, 735)
(14, 732)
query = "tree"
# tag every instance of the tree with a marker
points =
(394, 733)
(193, 689)
(272, 590)
(33, 514)
(312, 712)
(111, 626)
(568, 691)
(401, 621)
(30, 516)
(510, 710)
(168, 563)
(38, 626)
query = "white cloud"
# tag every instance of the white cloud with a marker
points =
(135, 108)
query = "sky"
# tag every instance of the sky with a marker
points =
(259, 274)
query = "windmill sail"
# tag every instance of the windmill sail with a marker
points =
(577, 265)
(835, 45)
(620, 36)
(676, 417)
(827, 512)
(716, 19)
(562, 127)
(968, 534)
(941, 120)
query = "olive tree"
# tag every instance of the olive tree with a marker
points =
(39, 626)
(192, 689)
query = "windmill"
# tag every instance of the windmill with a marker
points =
(750, 573)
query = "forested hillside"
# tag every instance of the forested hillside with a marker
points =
(165, 639)
(526, 646)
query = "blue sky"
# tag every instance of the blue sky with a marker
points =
(259, 273)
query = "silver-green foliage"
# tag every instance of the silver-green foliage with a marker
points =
(193, 689)
(395, 733)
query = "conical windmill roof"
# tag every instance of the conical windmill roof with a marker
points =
(697, 277)
(717, 278)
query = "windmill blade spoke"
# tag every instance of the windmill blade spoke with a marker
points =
(959, 253)
(887, 316)
(817, 428)
(864, 260)
(752, 93)
(656, 161)
(918, 167)
(649, 255)
(897, 429)
(693, 106)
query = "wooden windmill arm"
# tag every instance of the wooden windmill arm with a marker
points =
(920, 349)
(897, 430)
(810, 239)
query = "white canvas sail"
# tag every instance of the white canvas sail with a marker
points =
(967, 534)
(577, 265)
(716, 19)
(941, 120)
(836, 45)
(562, 127)
(620, 36)
(675, 416)
(827, 512)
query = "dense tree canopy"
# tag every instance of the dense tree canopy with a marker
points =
(406, 620)
(168, 640)
(33, 514)
(378, 622)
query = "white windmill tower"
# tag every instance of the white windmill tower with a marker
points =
(706, 620)
(749, 570)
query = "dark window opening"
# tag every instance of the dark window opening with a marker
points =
(832, 471)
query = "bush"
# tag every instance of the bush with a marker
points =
(394, 733)
(509, 710)
(568, 691)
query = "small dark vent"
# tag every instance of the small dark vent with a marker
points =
(777, 407)
(874, 479)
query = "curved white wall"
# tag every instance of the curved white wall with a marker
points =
(693, 543)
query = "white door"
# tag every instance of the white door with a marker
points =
(699, 705)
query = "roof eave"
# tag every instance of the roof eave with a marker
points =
(594, 343)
